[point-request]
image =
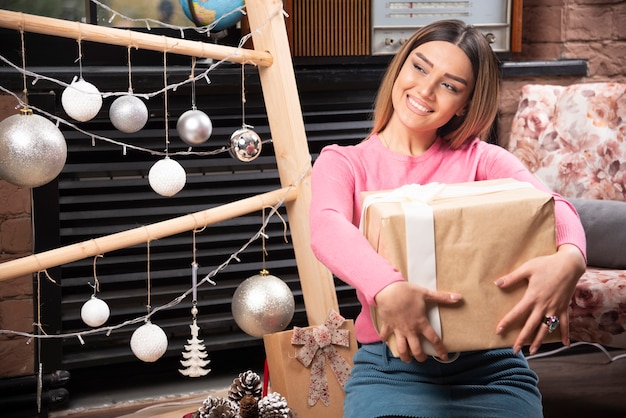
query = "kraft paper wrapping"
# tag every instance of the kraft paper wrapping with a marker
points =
(477, 238)
(290, 378)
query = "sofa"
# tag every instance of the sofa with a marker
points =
(573, 138)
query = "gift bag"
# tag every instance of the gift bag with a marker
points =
(309, 366)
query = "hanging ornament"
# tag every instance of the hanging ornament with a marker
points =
(32, 149)
(194, 355)
(263, 304)
(167, 177)
(128, 113)
(195, 352)
(148, 342)
(81, 100)
(194, 127)
(95, 312)
(245, 145)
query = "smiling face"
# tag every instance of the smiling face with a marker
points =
(433, 86)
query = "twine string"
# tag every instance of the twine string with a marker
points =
(79, 41)
(149, 284)
(24, 64)
(96, 285)
(166, 116)
(193, 83)
(130, 78)
(243, 96)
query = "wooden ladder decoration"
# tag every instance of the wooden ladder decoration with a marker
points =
(272, 56)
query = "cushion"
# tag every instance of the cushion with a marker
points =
(573, 138)
(604, 222)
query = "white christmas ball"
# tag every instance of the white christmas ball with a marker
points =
(148, 342)
(262, 304)
(128, 113)
(245, 145)
(95, 312)
(167, 177)
(32, 150)
(194, 127)
(81, 100)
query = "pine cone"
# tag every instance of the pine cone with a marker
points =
(228, 409)
(275, 405)
(217, 408)
(248, 407)
(248, 383)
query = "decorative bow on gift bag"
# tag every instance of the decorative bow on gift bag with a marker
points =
(305, 358)
(319, 347)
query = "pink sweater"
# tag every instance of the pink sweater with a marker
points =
(339, 176)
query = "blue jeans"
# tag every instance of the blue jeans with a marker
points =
(479, 384)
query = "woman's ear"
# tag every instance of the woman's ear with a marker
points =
(461, 112)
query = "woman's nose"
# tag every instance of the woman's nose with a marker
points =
(426, 87)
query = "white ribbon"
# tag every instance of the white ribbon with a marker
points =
(420, 229)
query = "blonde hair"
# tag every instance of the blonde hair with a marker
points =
(483, 100)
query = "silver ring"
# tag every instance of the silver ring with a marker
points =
(552, 322)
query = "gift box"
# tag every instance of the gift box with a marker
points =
(309, 366)
(460, 238)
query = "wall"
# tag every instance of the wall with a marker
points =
(552, 30)
(16, 295)
(592, 30)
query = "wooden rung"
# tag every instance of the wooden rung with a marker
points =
(142, 234)
(129, 38)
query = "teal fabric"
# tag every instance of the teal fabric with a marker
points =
(479, 384)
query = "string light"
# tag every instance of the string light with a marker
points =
(207, 279)
(146, 21)
(203, 75)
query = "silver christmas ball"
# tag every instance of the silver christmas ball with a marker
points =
(128, 113)
(81, 100)
(148, 342)
(245, 145)
(32, 150)
(263, 304)
(194, 127)
(167, 177)
(95, 312)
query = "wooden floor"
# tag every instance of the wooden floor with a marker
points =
(581, 382)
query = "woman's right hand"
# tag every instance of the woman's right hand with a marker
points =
(401, 307)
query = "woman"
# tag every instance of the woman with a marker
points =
(438, 97)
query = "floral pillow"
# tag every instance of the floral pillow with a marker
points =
(574, 138)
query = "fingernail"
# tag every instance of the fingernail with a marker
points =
(499, 330)
(499, 282)
(456, 296)
(532, 350)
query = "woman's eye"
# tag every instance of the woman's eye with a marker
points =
(449, 87)
(419, 68)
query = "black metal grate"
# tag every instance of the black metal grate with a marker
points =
(103, 190)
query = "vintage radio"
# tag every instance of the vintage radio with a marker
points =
(395, 21)
(379, 27)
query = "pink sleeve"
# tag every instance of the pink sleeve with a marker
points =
(335, 240)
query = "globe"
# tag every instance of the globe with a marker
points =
(205, 12)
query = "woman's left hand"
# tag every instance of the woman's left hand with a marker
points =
(551, 283)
